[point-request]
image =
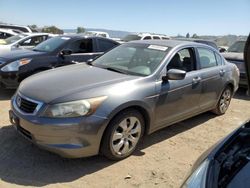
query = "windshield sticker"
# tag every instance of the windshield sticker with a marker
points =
(156, 47)
(65, 38)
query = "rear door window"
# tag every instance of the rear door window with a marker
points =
(156, 37)
(147, 38)
(207, 58)
(219, 59)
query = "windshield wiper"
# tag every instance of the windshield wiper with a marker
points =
(36, 50)
(115, 70)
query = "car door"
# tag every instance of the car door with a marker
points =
(178, 99)
(212, 75)
(82, 51)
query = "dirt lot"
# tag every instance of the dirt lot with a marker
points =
(163, 159)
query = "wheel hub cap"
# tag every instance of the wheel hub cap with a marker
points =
(126, 135)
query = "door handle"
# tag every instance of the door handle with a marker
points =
(196, 80)
(222, 72)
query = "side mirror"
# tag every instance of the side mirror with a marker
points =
(66, 52)
(174, 74)
(89, 61)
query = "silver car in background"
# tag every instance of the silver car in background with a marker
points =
(135, 89)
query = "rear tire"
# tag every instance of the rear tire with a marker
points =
(123, 135)
(224, 101)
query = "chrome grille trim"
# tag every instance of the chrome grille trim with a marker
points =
(38, 107)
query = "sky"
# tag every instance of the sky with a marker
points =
(171, 17)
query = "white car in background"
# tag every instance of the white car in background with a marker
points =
(98, 34)
(22, 41)
(6, 33)
(144, 36)
(21, 28)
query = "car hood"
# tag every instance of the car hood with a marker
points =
(233, 56)
(61, 82)
(19, 54)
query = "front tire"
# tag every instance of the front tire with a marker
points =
(224, 101)
(123, 135)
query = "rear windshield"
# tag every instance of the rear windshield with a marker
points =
(237, 47)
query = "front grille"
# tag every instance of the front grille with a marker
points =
(26, 105)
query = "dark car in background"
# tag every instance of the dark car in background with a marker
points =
(227, 164)
(55, 52)
(134, 89)
(234, 54)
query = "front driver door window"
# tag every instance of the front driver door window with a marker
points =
(82, 51)
(81, 46)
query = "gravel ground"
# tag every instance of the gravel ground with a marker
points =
(162, 160)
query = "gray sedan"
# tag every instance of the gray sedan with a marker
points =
(135, 89)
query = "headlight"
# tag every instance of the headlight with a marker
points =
(198, 177)
(14, 66)
(74, 108)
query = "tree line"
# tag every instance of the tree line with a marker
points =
(54, 30)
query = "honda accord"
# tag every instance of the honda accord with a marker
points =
(135, 89)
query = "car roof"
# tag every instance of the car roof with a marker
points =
(80, 36)
(35, 34)
(167, 43)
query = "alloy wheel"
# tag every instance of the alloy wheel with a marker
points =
(126, 135)
(225, 100)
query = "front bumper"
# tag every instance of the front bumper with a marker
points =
(68, 137)
(9, 80)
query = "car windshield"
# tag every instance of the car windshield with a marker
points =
(133, 59)
(51, 44)
(131, 37)
(237, 47)
(13, 39)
